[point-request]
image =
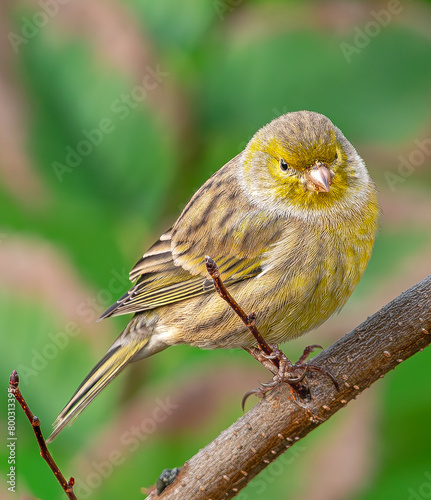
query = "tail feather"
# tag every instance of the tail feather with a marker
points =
(106, 369)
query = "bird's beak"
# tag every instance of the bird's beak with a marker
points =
(319, 177)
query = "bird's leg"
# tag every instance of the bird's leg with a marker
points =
(271, 357)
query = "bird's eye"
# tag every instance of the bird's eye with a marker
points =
(336, 157)
(283, 165)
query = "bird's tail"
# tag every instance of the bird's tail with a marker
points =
(118, 356)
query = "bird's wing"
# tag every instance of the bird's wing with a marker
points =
(221, 222)
(218, 222)
(160, 281)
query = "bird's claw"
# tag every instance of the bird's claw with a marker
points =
(259, 392)
(287, 372)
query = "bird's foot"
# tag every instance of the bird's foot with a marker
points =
(285, 371)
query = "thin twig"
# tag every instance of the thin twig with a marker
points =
(249, 320)
(44, 453)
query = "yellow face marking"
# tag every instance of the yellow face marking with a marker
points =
(290, 184)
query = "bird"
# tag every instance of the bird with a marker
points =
(291, 223)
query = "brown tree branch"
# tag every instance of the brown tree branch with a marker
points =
(386, 339)
(44, 453)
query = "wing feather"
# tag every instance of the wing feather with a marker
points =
(218, 221)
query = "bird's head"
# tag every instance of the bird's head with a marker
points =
(301, 161)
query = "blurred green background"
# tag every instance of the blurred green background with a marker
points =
(112, 114)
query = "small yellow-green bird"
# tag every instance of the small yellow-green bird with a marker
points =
(291, 223)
